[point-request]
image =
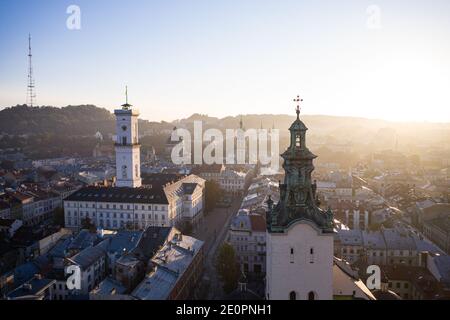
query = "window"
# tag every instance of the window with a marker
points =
(292, 255)
(311, 296)
(297, 141)
(292, 295)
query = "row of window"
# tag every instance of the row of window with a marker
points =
(254, 247)
(114, 223)
(114, 206)
(252, 258)
(374, 254)
(107, 215)
(255, 238)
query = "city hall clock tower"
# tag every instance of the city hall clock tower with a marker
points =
(128, 164)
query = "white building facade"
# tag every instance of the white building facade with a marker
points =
(128, 164)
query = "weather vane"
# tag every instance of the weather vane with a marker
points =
(297, 110)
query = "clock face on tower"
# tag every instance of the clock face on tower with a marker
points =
(124, 128)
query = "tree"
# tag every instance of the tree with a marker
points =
(227, 267)
(186, 228)
(58, 217)
(87, 224)
(212, 194)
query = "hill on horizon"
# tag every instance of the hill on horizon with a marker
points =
(85, 120)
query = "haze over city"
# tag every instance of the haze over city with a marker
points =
(349, 58)
(235, 153)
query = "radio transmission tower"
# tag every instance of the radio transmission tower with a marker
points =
(31, 94)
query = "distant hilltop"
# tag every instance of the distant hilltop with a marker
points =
(70, 120)
(86, 120)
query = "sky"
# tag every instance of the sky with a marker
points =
(375, 59)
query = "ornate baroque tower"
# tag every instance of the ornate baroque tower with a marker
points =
(299, 233)
(128, 164)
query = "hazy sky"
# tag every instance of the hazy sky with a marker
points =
(230, 57)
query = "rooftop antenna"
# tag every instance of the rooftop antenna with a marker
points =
(31, 94)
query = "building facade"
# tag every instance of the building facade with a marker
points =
(247, 235)
(137, 208)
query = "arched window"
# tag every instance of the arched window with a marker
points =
(297, 140)
(292, 295)
(311, 296)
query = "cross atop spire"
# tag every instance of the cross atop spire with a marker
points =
(297, 110)
(126, 105)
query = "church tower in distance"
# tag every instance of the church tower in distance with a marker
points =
(299, 233)
(128, 163)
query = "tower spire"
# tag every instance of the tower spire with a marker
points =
(31, 94)
(126, 105)
(297, 110)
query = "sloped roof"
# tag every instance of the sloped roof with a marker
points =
(155, 194)
(88, 256)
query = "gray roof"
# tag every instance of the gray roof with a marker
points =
(374, 240)
(148, 244)
(351, 237)
(25, 272)
(424, 245)
(88, 256)
(171, 262)
(155, 194)
(31, 288)
(123, 241)
(189, 187)
(109, 286)
(396, 240)
(83, 239)
(443, 265)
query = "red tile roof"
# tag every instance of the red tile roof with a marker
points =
(258, 222)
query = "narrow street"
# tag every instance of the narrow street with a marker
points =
(214, 230)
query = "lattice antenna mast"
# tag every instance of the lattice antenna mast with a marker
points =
(31, 94)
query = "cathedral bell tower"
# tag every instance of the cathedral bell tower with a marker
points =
(299, 233)
(128, 164)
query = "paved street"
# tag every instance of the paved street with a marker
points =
(213, 230)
